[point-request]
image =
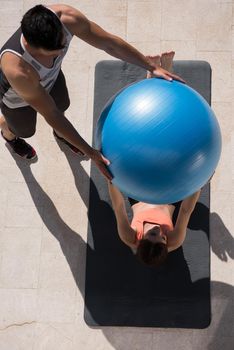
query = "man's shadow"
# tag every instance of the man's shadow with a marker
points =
(72, 244)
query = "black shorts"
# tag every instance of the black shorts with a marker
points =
(22, 121)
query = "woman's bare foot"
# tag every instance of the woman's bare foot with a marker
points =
(167, 60)
(163, 67)
(155, 60)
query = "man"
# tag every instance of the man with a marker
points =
(31, 80)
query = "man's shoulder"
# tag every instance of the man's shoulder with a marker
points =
(15, 68)
(63, 11)
(71, 17)
(11, 63)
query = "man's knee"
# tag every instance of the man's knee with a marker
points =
(24, 133)
(20, 121)
(28, 133)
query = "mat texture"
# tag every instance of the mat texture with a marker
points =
(119, 291)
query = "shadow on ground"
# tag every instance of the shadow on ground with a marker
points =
(74, 249)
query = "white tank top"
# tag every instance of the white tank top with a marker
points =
(48, 76)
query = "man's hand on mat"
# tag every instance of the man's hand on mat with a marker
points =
(101, 162)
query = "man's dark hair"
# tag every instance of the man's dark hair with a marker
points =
(151, 254)
(42, 29)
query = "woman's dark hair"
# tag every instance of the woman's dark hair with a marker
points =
(42, 28)
(151, 254)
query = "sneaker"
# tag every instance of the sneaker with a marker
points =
(72, 148)
(21, 148)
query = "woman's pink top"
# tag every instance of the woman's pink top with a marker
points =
(152, 216)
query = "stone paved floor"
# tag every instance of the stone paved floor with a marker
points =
(41, 283)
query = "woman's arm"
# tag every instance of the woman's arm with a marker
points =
(126, 233)
(178, 235)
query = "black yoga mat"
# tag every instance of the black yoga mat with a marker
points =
(120, 291)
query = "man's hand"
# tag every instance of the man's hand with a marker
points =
(101, 162)
(159, 71)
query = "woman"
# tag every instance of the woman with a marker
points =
(151, 234)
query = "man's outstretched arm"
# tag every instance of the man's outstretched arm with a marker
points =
(96, 36)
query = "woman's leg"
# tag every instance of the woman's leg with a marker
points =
(167, 60)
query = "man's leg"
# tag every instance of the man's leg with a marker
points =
(17, 123)
(5, 130)
(60, 95)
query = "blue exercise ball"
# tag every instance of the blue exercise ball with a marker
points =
(162, 139)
